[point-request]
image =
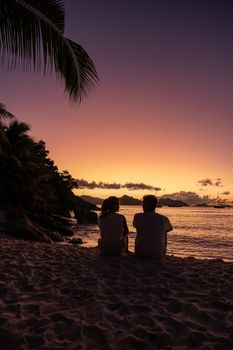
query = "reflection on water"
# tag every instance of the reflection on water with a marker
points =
(199, 232)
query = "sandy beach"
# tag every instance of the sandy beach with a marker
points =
(55, 296)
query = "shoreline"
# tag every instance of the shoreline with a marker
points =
(57, 296)
(90, 234)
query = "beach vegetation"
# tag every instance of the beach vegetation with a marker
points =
(4, 114)
(29, 179)
(36, 199)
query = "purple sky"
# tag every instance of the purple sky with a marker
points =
(162, 113)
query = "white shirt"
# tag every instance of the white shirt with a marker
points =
(151, 236)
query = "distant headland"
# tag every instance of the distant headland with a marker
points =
(128, 200)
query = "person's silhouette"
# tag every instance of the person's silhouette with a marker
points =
(113, 228)
(152, 228)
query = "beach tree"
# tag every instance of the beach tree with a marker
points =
(19, 142)
(32, 38)
(14, 157)
(4, 114)
(29, 179)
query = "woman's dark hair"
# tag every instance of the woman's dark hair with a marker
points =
(110, 205)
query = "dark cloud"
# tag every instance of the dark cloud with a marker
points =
(140, 186)
(205, 182)
(226, 193)
(92, 185)
(114, 186)
(218, 182)
(85, 184)
(209, 182)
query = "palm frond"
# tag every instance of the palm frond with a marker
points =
(87, 74)
(18, 129)
(4, 113)
(3, 137)
(54, 10)
(31, 36)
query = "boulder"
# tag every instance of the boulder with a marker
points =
(75, 241)
(84, 216)
(45, 221)
(53, 223)
(55, 236)
(62, 219)
(81, 203)
(64, 231)
(17, 224)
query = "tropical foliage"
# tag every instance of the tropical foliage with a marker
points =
(4, 114)
(32, 37)
(29, 179)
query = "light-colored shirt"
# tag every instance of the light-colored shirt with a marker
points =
(112, 227)
(151, 239)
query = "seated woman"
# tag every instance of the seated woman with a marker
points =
(113, 229)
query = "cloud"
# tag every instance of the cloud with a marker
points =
(205, 182)
(140, 186)
(85, 184)
(209, 182)
(193, 198)
(218, 182)
(92, 185)
(115, 186)
(188, 197)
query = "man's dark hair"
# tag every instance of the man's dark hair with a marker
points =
(150, 201)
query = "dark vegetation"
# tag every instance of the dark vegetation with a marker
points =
(34, 196)
(32, 190)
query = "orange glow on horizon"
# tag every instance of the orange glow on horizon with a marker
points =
(162, 115)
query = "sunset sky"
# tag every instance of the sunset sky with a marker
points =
(162, 113)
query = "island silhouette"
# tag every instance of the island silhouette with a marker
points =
(128, 200)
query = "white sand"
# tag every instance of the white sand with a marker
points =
(67, 297)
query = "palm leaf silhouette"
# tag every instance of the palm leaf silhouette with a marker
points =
(32, 37)
(4, 114)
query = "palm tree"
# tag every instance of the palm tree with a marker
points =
(32, 37)
(29, 178)
(4, 114)
(19, 142)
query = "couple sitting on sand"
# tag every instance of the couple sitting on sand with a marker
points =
(151, 227)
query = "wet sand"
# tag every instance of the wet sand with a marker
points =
(55, 296)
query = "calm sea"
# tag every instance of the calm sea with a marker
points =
(199, 232)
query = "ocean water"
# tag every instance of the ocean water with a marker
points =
(204, 233)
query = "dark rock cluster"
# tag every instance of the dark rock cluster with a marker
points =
(48, 228)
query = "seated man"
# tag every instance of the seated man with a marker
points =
(152, 228)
